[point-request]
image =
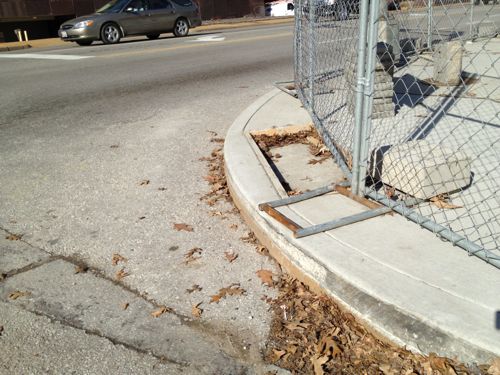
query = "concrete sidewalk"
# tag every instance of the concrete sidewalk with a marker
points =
(401, 280)
(212, 25)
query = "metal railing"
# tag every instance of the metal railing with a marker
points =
(407, 97)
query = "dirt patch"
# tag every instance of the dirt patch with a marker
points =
(271, 143)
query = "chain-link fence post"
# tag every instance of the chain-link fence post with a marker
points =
(360, 84)
(429, 24)
(471, 26)
(375, 16)
(298, 42)
(312, 49)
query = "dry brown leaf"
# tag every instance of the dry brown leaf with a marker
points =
(160, 311)
(182, 226)
(318, 362)
(194, 288)
(81, 268)
(125, 306)
(494, 369)
(117, 258)
(266, 277)
(17, 294)
(210, 179)
(297, 326)
(390, 192)
(14, 237)
(232, 290)
(441, 202)
(277, 355)
(329, 346)
(121, 274)
(230, 256)
(144, 182)
(233, 226)
(196, 311)
(217, 140)
(190, 256)
(261, 249)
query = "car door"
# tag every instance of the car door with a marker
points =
(163, 15)
(135, 18)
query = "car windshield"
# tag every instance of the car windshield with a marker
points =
(114, 6)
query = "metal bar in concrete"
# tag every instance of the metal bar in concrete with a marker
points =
(280, 218)
(337, 223)
(298, 198)
(456, 239)
(365, 202)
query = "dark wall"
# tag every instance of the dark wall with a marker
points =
(215, 9)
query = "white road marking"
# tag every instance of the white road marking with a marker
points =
(42, 56)
(209, 38)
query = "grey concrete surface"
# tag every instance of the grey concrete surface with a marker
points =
(403, 281)
(78, 137)
(32, 343)
(15, 255)
(94, 304)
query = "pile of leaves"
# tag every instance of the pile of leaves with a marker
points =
(216, 177)
(308, 137)
(310, 334)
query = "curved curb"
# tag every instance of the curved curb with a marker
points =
(386, 321)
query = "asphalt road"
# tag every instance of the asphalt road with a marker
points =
(80, 129)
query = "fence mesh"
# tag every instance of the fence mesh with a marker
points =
(407, 96)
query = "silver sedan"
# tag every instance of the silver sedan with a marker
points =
(120, 18)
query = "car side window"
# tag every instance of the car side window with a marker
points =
(137, 6)
(159, 4)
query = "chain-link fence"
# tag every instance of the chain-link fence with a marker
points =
(407, 97)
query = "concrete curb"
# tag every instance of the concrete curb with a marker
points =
(14, 48)
(387, 321)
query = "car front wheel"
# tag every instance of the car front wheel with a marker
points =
(110, 34)
(181, 27)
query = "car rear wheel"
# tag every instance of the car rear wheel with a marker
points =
(110, 34)
(84, 42)
(181, 27)
(153, 36)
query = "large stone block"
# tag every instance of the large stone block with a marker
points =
(448, 63)
(421, 169)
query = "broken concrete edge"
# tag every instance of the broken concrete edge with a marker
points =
(385, 321)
